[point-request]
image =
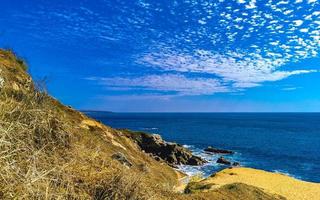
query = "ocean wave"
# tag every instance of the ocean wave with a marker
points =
(286, 174)
(208, 168)
(152, 128)
(191, 170)
(190, 147)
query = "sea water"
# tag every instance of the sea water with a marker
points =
(287, 143)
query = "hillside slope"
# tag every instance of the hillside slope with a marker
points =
(50, 151)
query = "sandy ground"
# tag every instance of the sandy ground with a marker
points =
(182, 182)
(275, 183)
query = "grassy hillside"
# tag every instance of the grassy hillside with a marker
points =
(50, 151)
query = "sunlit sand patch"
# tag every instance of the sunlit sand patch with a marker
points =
(291, 188)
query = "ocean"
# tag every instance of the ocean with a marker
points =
(287, 143)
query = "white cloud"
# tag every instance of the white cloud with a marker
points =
(274, 43)
(287, 12)
(244, 47)
(252, 4)
(316, 13)
(312, 1)
(298, 22)
(242, 70)
(290, 88)
(241, 1)
(304, 30)
(202, 22)
(245, 85)
(178, 84)
(138, 97)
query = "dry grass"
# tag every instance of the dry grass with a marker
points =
(31, 139)
(42, 153)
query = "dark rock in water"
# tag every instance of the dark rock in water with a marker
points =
(172, 153)
(235, 164)
(195, 161)
(122, 159)
(221, 151)
(224, 161)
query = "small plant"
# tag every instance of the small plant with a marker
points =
(22, 64)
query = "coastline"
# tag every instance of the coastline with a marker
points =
(211, 158)
(80, 158)
(260, 141)
(279, 185)
(281, 182)
(272, 182)
(211, 164)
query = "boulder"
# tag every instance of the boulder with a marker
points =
(172, 153)
(235, 164)
(122, 159)
(223, 161)
(215, 150)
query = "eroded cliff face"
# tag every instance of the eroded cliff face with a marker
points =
(51, 151)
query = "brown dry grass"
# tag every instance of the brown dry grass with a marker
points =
(45, 154)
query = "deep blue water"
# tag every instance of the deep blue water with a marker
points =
(283, 142)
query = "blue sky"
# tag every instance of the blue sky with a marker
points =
(171, 56)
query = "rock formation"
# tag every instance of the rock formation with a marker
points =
(215, 150)
(224, 161)
(122, 159)
(172, 153)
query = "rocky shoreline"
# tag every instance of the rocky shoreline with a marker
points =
(174, 154)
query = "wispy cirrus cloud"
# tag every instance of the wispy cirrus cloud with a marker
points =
(176, 85)
(290, 88)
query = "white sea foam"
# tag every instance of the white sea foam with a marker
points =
(188, 146)
(191, 170)
(287, 174)
(209, 168)
(212, 166)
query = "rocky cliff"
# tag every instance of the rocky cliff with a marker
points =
(172, 153)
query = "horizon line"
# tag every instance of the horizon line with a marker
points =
(87, 110)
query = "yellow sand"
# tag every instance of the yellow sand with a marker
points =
(182, 183)
(275, 183)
